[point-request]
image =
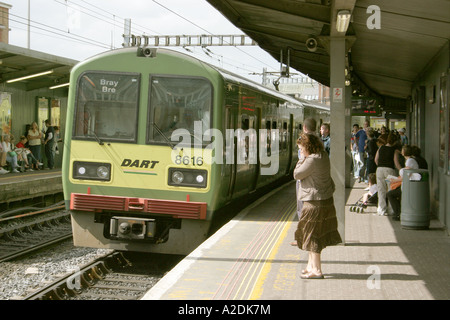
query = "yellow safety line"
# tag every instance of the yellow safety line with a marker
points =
(273, 240)
(242, 264)
(259, 257)
(268, 250)
(257, 288)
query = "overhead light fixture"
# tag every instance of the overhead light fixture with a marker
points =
(343, 20)
(59, 86)
(30, 76)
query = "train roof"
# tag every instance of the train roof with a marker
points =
(229, 76)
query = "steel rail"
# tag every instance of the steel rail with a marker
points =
(72, 284)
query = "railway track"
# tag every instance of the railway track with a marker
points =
(21, 235)
(112, 277)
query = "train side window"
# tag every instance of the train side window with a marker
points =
(245, 124)
(283, 137)
(268, 139)
(252, 140)
(273, 135)
(243, 137)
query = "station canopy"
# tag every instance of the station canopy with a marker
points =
(383, 61)
(17, 62)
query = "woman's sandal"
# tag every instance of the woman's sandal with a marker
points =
(311, 275)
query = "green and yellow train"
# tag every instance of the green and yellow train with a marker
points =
(158, 141)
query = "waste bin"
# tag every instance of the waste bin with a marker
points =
(415, 209)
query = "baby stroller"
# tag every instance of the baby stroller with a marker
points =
(360, 205)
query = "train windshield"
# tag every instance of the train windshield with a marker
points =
(107, 107)
(179, 103)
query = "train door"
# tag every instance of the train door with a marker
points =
(290, 142)
(253, 158)
(229, 167)
(247, 153)
(256, 168)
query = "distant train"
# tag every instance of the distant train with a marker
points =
(158, 141)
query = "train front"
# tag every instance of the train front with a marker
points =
(136, 170)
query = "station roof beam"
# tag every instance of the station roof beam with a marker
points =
(32, 68)
(387, 54)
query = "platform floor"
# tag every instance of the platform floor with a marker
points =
(251, 258)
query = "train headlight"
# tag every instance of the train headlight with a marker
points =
(177, 177)
(103, 172)
(199, 178)
(187, 177)
(91, 170)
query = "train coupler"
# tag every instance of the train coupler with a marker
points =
(132, 228)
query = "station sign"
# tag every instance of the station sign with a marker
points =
(365, 106)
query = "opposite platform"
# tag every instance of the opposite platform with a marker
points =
(251, 258)
(29, 185)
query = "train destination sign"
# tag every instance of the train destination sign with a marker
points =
(365, 106)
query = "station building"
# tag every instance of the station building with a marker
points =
(30, 86)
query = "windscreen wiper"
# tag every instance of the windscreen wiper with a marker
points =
(100, 142)
(86, 124)
(169, 143)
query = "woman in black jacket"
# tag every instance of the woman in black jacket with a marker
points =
(371, 149)
(387, 160)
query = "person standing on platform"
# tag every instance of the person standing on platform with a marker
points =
(317, 227)
(403, 137)
(34, 143)
(371, 149)
(48, 142)
(382, 138)
(325, 136)
(354, 149)
(309, 126)
(361, 138)
(387, 160)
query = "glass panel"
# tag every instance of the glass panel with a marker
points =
(56, 112)
(107, 106)
(176, 103)
(5, 114)
(42, 112)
